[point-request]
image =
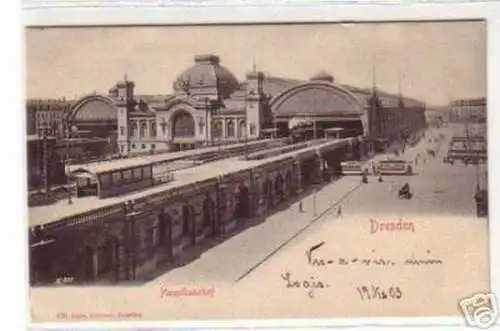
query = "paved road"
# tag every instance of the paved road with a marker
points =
(440, 189)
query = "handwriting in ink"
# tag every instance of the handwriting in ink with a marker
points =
(309, 285)
(372, 292)
(321, 262)
(417, 262)
(316, 262)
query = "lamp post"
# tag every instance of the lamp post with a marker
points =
(68, 161)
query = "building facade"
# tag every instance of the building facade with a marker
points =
(468, 109)
(209, 106)
(399, 119)
(47, 114)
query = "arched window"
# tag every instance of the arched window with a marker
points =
(133, 129)
(252, 129)
(243, 129)
(217, 129)
(152, 131)
(142, 129)
(230, 129)
(184, 125)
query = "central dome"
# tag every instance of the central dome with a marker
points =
(207, 76)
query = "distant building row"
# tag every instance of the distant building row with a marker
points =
(468, 109)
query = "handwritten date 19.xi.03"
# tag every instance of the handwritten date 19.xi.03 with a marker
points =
(372, 293)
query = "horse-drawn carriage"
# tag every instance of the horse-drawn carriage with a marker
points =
(404, 192)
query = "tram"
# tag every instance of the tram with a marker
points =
(394, 167)
(352, 168)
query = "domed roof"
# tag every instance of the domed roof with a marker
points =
(323, 76)
(207, 73)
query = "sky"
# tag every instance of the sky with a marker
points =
(432, 61)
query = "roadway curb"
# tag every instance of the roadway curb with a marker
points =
(300, 231)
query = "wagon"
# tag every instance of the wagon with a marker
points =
(404, 192)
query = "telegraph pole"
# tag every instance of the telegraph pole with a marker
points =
(373, 116)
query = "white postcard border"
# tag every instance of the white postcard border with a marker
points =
(324, 13)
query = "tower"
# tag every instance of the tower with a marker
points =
(125, 89)
(400, 124)
(123, 95)
(401, 102)
(254, 103)
(373, 107)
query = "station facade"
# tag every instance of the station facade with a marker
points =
(209, 106)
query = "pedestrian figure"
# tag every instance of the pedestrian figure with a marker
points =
(301, 207)
(380, 179)
(339, 211)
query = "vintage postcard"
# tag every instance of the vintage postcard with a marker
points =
(258, 171)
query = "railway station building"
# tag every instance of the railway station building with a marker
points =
(130, 216)
(209, 106)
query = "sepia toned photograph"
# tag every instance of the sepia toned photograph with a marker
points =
(218, 172)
